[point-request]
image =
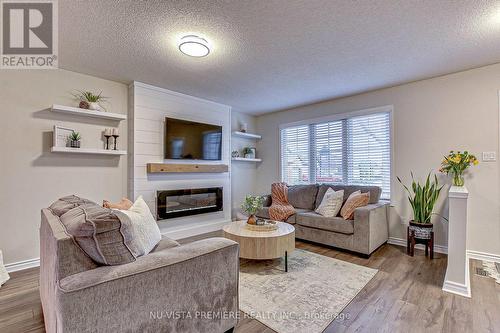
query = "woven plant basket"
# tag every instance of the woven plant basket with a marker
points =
(74, 144)
(422, 230)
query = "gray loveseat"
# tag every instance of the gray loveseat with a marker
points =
(175, 288)
(363, 235)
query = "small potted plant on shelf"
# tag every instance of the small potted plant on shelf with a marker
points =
(91, 101)
(422, 199)
(456, 163)
(74, 140)
(251, 206)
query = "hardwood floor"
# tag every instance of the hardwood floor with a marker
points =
(404, 296)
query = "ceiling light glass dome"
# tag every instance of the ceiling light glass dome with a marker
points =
(194, 46)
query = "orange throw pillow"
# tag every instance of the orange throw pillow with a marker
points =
(124, 204)
(353, 202)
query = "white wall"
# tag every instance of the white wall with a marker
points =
(243, 174)
(31, 177)
(431, 117)
(148, 107)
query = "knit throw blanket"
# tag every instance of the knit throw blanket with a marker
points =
(280, 209)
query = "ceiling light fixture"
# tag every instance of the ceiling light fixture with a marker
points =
(194, 46)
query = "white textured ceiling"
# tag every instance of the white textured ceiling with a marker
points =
(272, 55)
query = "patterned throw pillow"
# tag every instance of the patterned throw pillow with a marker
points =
(331, 203)
(109, 237)
(139, 228)
(97, 231)
(354, 201)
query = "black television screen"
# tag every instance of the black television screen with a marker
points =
(190, 140)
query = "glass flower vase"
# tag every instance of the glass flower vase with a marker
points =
(458, 179)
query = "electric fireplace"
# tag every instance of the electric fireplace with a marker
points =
(178, 203)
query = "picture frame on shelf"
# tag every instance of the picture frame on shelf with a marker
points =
(61, 136)
(249, 152)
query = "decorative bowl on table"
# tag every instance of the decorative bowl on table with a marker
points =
(263, 225)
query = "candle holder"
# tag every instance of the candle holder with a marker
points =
(107, 140)
(115, 136)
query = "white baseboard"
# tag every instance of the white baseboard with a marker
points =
(402, 242)
(194, 230)
(483, 256)
(20, 265)
(456, 288)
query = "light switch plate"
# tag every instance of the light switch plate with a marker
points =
(489, 156)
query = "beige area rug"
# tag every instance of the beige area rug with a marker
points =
(306, 299)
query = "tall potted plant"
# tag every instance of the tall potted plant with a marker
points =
(456, 163)
(422, 199)
(251, 205)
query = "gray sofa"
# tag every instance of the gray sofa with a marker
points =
(175, 288)
(363, 235)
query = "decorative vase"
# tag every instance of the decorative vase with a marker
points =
(83, 105)
(422, 230)
(252, 219)
(74, 143)
(458, 179)
(94, 106)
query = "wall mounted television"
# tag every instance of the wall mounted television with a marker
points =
(188, 140)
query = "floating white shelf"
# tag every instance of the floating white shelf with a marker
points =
(247, 135)
(246, 159)
(88, 151)
(88, 113)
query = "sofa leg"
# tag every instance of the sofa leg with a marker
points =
(230, 330)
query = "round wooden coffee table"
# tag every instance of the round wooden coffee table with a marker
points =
(262, 244)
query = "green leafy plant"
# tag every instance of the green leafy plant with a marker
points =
(75, 136)
(252, 204)
(247, 150)
(423, 198)
(90, 97)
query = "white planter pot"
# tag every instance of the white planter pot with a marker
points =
(4, 276)
(94, 106)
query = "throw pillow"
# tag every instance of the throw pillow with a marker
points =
(124, 204)
(354, 201)
(139, 228)
(358, 192)
(331, 203)
(97, 231)
(67, 203)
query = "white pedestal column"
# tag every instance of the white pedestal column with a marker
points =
(457, 273)
(4, 276)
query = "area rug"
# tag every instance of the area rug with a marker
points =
(306, 299)
(492, 269)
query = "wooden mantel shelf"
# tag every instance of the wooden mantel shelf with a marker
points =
(186, 168)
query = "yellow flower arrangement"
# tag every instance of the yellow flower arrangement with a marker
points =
(456, 163)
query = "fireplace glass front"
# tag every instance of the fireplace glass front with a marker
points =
(177, 203)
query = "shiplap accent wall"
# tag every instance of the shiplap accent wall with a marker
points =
(148, 107)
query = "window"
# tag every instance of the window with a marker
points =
(211, 145)
(295, 155)
(351, 151)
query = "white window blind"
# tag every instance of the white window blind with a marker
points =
(295, 155)
(369, 151)
(351, 151)
(328, 142)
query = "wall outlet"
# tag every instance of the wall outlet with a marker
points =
(489, 156)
